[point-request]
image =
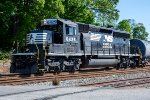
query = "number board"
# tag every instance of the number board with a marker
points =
(51, 21)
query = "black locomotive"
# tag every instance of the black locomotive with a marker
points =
(60, 44)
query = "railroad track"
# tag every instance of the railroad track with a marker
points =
(17, 79)
(123, 83)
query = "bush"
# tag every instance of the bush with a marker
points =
(5, 55)
(56, 81)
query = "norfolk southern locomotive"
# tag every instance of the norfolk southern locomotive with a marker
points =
(60, 44)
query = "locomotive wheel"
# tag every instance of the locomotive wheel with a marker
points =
(127, 63)
(57, 69)
(72, 69)
(133, 65)
(48, 69)
(120, 65)
(143, 65)
(75, 68)
(117, 67)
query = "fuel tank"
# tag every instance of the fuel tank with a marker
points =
(102, 62)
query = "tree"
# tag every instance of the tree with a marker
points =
(105, 11)
(124, 25)
(21, 16)
(91, 11)
(139, 32)
(52, 9)
(6, 23)
(78, 11)
(136, 30)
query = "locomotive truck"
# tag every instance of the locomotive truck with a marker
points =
(62, 45)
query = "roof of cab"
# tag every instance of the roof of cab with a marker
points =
(65, 21)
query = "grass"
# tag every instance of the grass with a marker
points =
(5, 56)
(5, 60)
(56, 81)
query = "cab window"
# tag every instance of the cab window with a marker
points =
(70, 30)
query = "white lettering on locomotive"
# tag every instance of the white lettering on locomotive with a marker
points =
(107, 45)
(95, 37)
(70, 39)
(108, 38)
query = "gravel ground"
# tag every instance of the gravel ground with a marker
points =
(79, 82)
(71, 89)
(4, 67)
(109, 94)
(37, 92)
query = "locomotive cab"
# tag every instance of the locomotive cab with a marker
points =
(64, 36)
(63, 52)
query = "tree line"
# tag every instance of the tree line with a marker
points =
(18, 17)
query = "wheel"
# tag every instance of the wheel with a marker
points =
(57, 69)
(127, 63)
(120, 65)
(72, 69)
(77, 67)
(143, 65)
(117, 68)
(133, 65)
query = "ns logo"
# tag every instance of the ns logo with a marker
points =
(108, 38)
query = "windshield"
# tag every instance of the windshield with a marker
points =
(57, 31)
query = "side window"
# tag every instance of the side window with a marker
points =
(67, 30)
(70, 30)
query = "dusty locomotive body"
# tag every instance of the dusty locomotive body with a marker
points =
(60, 44)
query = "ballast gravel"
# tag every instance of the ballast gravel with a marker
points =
(85, 81)
(72, 90)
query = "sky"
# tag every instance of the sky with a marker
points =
(139, 10)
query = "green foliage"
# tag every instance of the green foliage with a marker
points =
(4, 55)
(52, 9)
(136, 30)
(124, 25)
(18, 17)
(6, 23)
(139, 32)
(105, 11)
(77, 10)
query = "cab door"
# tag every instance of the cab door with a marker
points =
(71, 39)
